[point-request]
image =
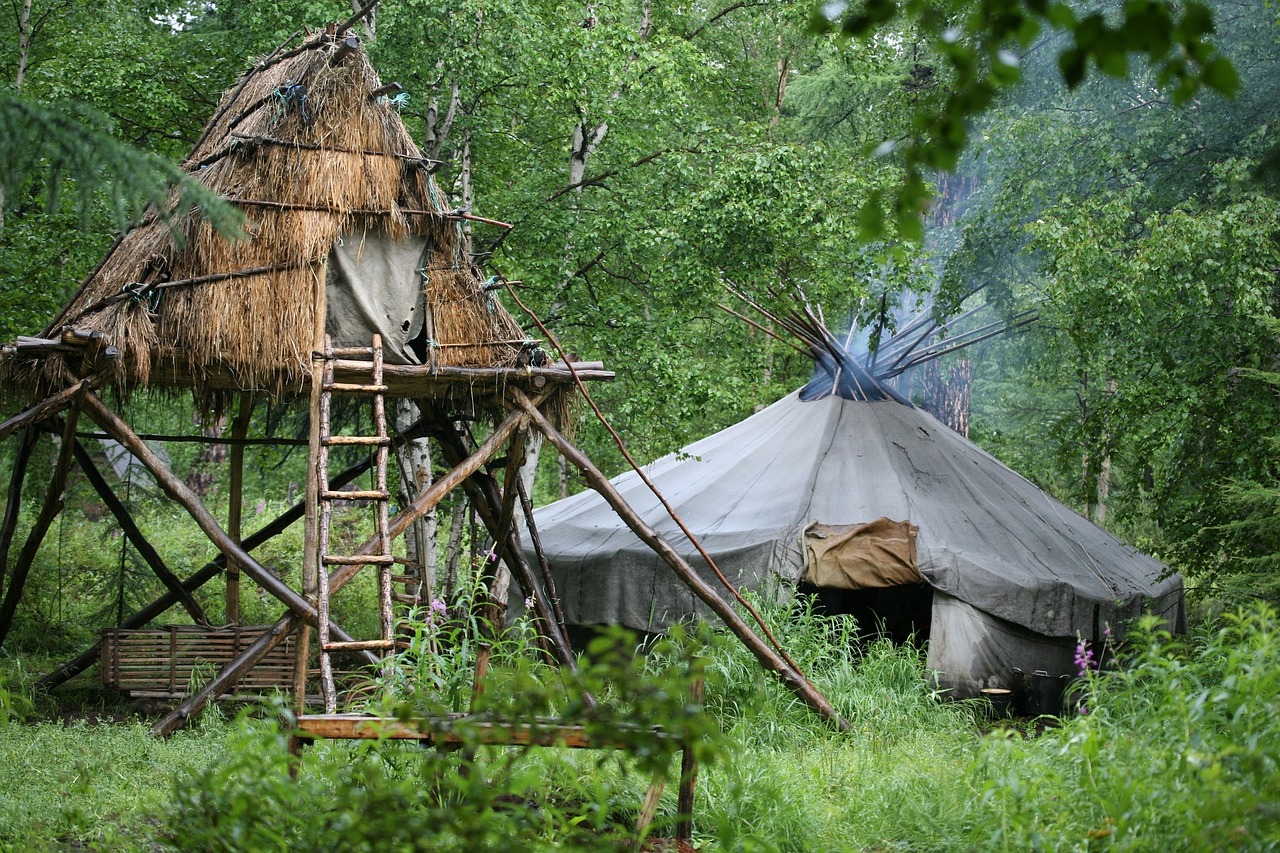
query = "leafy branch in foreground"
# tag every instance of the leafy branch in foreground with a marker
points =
(71, 140)
(975, 42)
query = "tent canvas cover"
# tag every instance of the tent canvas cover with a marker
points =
(1016, 578)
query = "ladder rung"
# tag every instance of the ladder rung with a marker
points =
(354, 388)
(360, 645)
(405, 561)
(404, 578)
(340, 352)
(411, 600)
(368, 440)
(365, 495)
(357, 560)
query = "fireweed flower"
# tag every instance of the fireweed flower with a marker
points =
(1084, 658)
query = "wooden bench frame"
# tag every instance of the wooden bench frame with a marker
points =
(439, 732)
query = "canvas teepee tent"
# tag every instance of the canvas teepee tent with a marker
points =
(844, 487)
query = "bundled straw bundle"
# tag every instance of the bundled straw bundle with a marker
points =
(302, 147)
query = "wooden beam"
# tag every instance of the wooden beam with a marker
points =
(45, 408)
(765, 654)
(48, 512)
(140, 542)
(235, 501)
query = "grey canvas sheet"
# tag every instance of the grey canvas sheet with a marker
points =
(374, 286)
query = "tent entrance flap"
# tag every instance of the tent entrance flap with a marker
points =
(874, 555)
(374, 286)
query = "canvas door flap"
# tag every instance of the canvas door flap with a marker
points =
(877, 554)
(375, 286)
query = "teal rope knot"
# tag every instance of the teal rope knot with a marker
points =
(399, 101)
(291, 94)
(140, 293)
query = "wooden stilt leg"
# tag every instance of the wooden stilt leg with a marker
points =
(235, 501)
(130, 529)
(13, 502)
(52, 506)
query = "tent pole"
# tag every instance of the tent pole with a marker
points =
(13, 502)
(768, 657)
(69, 670)
(52, 506)
(130, 529)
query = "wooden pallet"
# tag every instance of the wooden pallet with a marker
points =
(162, 661)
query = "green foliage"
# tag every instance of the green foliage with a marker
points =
(976, 43)
(1178, 750)
(70, 140)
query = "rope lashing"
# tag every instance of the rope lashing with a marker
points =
(532, 353)
(141, 293)
(291, 94)
(399, 101)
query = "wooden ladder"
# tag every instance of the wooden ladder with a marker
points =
(379, 496)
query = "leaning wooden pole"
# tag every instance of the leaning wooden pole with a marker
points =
(210, 570)
(287, 623)
(44, 409)
(52, 506)
(140, 543)
(765, 654)
(179, 492)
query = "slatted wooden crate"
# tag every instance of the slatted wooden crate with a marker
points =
(160, 662)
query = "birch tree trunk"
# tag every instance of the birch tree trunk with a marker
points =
(414, 458)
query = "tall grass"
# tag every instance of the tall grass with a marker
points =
(1179, 750)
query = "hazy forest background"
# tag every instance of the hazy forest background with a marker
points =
(653, 159)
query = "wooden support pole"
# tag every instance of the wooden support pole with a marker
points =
(178, 491)
(235, 500)
(130, 529)
(69, 670)
(765, 654)
(52, 506)
(544, 568)
(13, 501)
(45, 408)
(489, 505)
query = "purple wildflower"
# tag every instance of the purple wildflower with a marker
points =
(1084, 658)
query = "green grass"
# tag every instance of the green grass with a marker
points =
(1180, 750)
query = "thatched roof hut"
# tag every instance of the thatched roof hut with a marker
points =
(340, 209)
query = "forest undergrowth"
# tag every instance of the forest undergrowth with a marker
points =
(1175, 748)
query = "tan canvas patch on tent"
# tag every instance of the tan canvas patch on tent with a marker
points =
(877, 554)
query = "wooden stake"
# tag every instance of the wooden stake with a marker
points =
(766, 655)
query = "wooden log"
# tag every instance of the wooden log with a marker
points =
(210, 570)
(13, 501)
(544, 568)
(44, 409)
(178, 491)
(765, 654)
(48, 512)
(140, 542)
(488, 504)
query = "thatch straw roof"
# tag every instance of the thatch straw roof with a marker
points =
(302, 147)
